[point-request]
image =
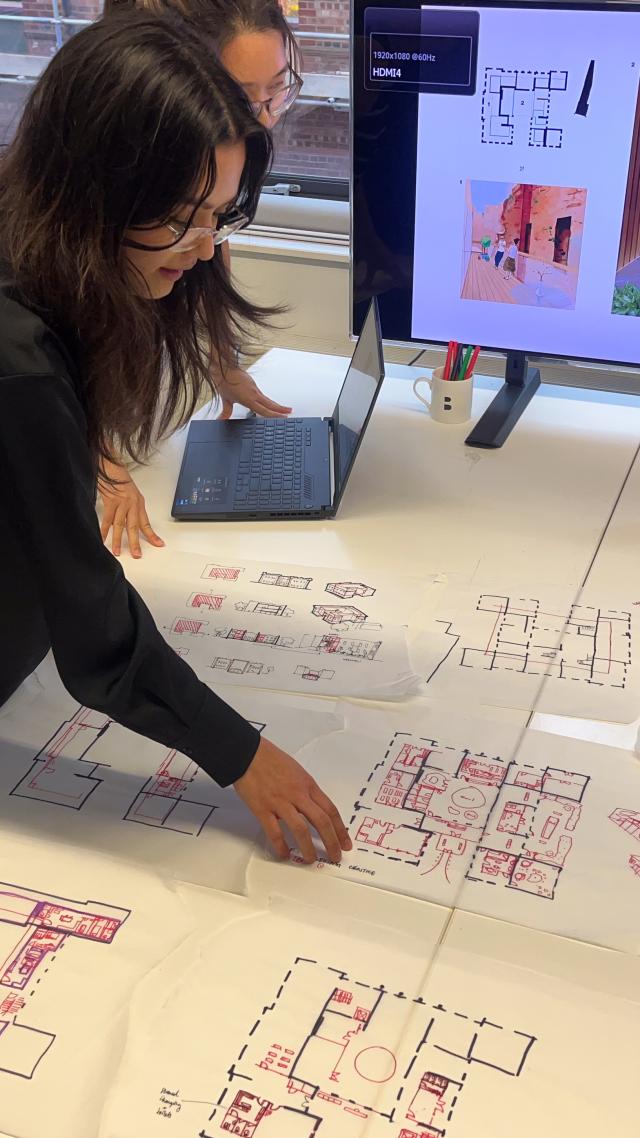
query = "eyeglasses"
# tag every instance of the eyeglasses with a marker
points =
(277, 104)
(187, 236)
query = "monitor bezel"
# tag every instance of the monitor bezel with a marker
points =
(549, 5)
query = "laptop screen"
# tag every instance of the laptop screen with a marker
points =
(357, 397)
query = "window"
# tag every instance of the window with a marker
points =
(311, 143)
(31, 31)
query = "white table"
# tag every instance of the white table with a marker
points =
(544, 509)
(420, 501)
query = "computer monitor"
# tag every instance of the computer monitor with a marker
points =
(496, 182)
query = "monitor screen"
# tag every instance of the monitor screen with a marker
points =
(357, 396)
(496, 177)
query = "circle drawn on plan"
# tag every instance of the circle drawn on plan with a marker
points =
(375, 1064)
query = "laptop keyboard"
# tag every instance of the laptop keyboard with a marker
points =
(271, 467)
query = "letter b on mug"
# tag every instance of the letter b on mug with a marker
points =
(450, 400)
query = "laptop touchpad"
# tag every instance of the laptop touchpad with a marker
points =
(209, 472)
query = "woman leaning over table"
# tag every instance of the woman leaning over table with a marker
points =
(254, 43)
(135, 157)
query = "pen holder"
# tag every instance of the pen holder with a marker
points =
(450, 400)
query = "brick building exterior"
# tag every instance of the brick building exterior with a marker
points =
(313, 139)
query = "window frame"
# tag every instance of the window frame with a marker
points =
(308, 186)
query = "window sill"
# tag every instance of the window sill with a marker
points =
(291, 245)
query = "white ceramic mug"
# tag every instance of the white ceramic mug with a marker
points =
(450, 399)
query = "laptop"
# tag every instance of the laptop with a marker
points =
(256, 469)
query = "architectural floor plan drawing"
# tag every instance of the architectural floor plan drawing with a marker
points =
(520, 107)
(453, 813)
(96, 783)
(486, 817)
(388, 1024)
(61, 773)
(34, 928)
(168, 800)
(326, 1056)
(548, 652)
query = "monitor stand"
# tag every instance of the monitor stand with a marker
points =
(520, 384)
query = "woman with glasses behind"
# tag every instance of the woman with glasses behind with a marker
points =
(254, 43)
(135, 149)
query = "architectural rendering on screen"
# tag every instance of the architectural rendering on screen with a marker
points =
(522, 243)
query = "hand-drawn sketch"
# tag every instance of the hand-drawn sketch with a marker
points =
(264, 608)
(627, 820)
(237, 667)
(328, 643)
(105, 778)
(453, 812)
(284, 580)
(166, 800)
(221, 572)
(298, 1077)
(205, 600)
(60, 773)
(184, 625)
(347, 590)
(629, 823)
(33, 930)
(339, 614)
(525, 651)
(586, 644)
(266, 603)
(518, 106)
(485, 817)
(314, 674)
(405, 1023)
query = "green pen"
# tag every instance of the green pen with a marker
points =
(465, 363)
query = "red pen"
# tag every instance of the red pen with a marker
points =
(449, 360)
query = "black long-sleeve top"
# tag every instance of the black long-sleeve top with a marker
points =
(61, 588)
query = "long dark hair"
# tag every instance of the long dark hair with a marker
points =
(223, 20)
(118, 132)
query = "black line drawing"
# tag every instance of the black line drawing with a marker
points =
(517, 106)
(314, 674)
(284, 580)
(264, 608)
(328, 1055)
(168, 800)
(347, 590)
(236, 666)
(60, 773)
(583, 102)
(329, 643)
(584, 644)
(339, 614)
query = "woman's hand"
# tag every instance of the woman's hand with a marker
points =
(237, 386)
(124, 508)
(278, 790)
